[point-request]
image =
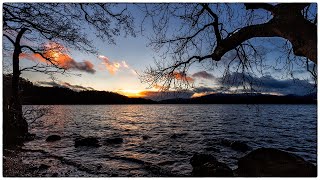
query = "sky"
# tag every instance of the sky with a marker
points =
(117, 67)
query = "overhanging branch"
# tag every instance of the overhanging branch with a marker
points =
(244, 34)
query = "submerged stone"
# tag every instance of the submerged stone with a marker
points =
(177, 135)
(145, 137)
(29, 137)
(52, 138)
(87, 141)
(43, 167)
(239, 146)
(115, 140)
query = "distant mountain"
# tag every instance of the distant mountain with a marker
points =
(57, 95)
(311, 95)
(221, 98)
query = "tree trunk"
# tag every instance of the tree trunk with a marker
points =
(15, 126)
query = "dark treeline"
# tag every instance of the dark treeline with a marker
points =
(57, 95)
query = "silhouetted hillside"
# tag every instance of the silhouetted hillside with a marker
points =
(57, 95)
(244, 99)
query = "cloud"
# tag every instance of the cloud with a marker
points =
(203, 74)
(124, 64)
(63, 85)
(182, 77)
(159, 87)
(55, 53)
(267, 84)
(228, 84)
(202, 91)
(113, 67)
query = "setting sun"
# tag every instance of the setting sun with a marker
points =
(130, 93)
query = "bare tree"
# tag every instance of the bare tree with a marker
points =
(29, 27)
(228, 35)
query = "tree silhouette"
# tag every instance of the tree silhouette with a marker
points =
(45, 29)
(190, 33)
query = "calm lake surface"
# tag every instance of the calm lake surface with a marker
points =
(175, 133)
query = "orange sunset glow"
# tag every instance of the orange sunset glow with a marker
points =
(56, 54)
(131, 93)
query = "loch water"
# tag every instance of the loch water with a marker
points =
(159, 140)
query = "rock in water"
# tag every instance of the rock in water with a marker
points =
(145, 137)
(116, 140)
(173, 136)
(29, 137)
(43, 167)
(177, 135)
(239, 146)
(270, 162)
(205, 165)
(87, 141)
(52, 138)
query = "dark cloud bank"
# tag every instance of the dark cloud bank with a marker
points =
(264, 84)
(63, 85)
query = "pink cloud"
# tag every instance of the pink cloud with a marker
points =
(113, 67)
(55, 52)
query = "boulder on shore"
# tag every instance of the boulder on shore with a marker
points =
(205, 165)
(53, 138)
(270, 162)
(87, 141)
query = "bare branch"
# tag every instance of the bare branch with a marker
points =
(215, 23)
(244, 34)
(11, 40)
(42, 55)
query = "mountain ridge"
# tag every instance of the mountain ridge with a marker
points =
(39, 95)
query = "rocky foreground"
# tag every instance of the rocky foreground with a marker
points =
(262, 162)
